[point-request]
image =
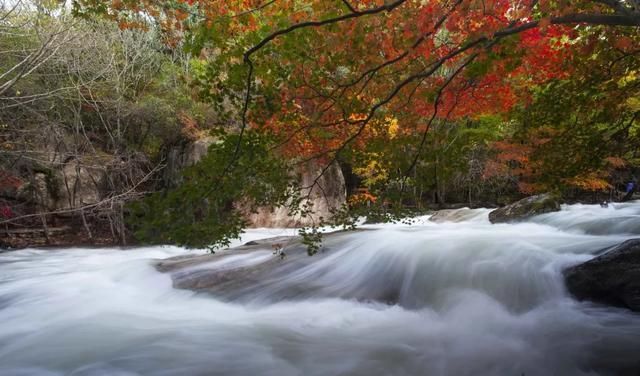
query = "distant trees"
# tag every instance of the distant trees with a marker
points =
(87, 113)
(425, 101)
(31, 36)
(580, 132)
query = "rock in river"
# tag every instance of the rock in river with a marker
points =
(612, 278)
(525, 208)
(255, 272)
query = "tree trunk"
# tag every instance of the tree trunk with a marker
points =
(85, 224)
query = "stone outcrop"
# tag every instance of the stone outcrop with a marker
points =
(327, 195)
(525, 208)
(203, 273)
(181, 157)
(612, 278)
(74, 184)
(194, 151)
(64, 198)
(81, 184)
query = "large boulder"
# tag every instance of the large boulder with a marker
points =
(612, 278)
(41, 190)
(71, 185)
(196, 150)
(525, 208)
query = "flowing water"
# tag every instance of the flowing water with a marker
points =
(473, 299)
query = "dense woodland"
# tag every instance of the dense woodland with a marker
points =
(422, 103)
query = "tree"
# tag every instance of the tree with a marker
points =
(578, 130)
(427, 56)
(325, 76)
(87, 114)
(207, 209)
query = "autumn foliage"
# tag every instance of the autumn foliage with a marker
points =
(330, 78)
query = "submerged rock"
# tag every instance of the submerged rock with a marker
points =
(525, 208)
(612, 278)
(258, 272)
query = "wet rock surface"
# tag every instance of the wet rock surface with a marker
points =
(258, 272)
(612, 278)
(525, 208)
(452, 215)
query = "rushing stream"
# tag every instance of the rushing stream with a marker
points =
(474, 299)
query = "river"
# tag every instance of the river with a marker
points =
(475, 299)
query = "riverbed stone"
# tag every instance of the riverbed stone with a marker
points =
(525, 208)
(612, 278)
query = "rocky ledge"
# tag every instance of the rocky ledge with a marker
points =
(257, 272)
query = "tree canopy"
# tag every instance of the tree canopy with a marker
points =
(415, 95)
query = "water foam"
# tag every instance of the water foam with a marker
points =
(474, 299)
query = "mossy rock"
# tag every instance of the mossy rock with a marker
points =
(525, 208)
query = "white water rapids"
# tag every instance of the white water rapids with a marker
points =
(479, 299)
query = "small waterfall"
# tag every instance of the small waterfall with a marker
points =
(453, 297)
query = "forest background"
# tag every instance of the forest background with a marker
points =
(106, 106)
